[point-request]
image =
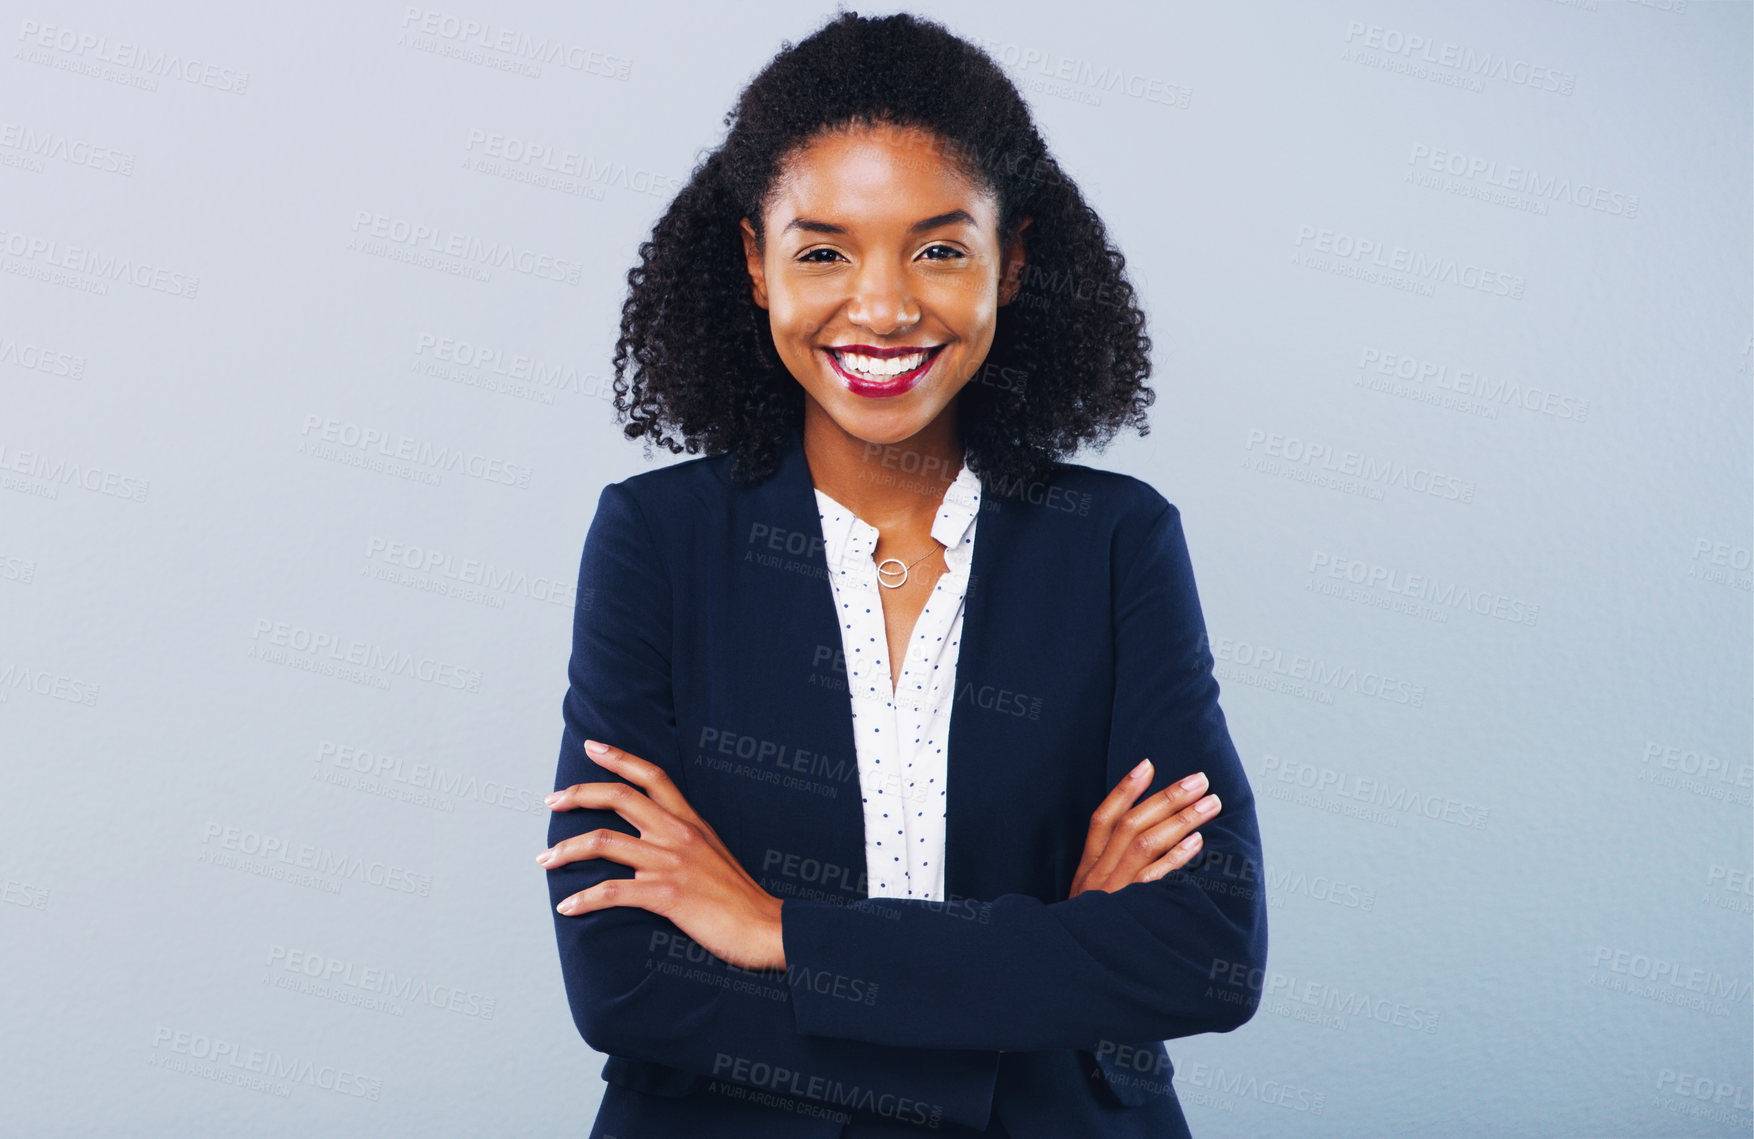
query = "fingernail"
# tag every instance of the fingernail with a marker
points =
(567, 906)
(1191, 841)
(1193, 782)
(1207, 805)
(1139, 771)
(551, 798)
(596, 748)
(545, 855)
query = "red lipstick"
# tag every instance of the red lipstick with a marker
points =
(890, 386)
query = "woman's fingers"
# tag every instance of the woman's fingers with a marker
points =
(611, 844)
(622, 798)
(644, 774)
(1177, 796)
(1158, 841)
(1137, 840)
(653, 896)
(1176, 859)
(655, 782)
(1103, 820)
(682, 869)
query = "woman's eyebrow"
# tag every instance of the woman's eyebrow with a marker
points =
(920, 226)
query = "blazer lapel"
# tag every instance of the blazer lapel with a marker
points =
(789, 644)
(971, 757)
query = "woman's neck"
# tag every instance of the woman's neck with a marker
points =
(888, 485)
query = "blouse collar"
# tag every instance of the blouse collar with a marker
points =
(842, 530)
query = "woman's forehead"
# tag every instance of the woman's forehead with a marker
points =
(877, 174)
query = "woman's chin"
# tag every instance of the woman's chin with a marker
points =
(879, 426)
(880, 422)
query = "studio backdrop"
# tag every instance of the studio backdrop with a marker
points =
(306, 315)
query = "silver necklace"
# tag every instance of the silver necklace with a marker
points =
(881, 572)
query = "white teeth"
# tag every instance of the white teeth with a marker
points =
(871, 366)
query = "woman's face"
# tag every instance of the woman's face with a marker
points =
(882, 276)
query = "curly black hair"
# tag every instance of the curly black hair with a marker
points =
(1069, 357)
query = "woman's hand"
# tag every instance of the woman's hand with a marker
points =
(682, 869)
(1128, 844)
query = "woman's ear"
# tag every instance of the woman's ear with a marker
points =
(752, 259)
(1011, 272)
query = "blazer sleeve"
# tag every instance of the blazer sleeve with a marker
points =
(638, 987)
(1151, 961)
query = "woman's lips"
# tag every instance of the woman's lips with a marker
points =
(879, 387)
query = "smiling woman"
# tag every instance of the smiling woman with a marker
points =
(890, 319)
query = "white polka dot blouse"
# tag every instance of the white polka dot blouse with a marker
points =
(901, 731)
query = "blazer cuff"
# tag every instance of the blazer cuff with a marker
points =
(823, 998)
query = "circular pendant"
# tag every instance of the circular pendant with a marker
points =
(881, 572)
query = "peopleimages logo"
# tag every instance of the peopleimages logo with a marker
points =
(17, 677)
(216, 837)
(1272, 987)
(515, 44)
(1447, 595)
(1376, 792)
(291, 639)
(33, 146)
(506, 364)
(1314, 670)
(1708, 983)
(774, 1077)
(340, 973)
(39, 251)
(393, 446)
(466, 571)
(1461, 58)
(90, 49)
(44, 476)
(1426, 267)
(423, 776)
(1474, 384)
(1360, 466)
(1522, 180)
(267, 1063)
(466, 247)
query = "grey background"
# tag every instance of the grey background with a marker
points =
(1532, 920)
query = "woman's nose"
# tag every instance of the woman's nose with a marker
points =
(882, 300)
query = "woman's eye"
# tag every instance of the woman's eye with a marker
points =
(935, 252)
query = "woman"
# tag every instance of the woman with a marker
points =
(887, 317)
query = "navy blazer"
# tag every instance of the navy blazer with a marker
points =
(705, 640)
